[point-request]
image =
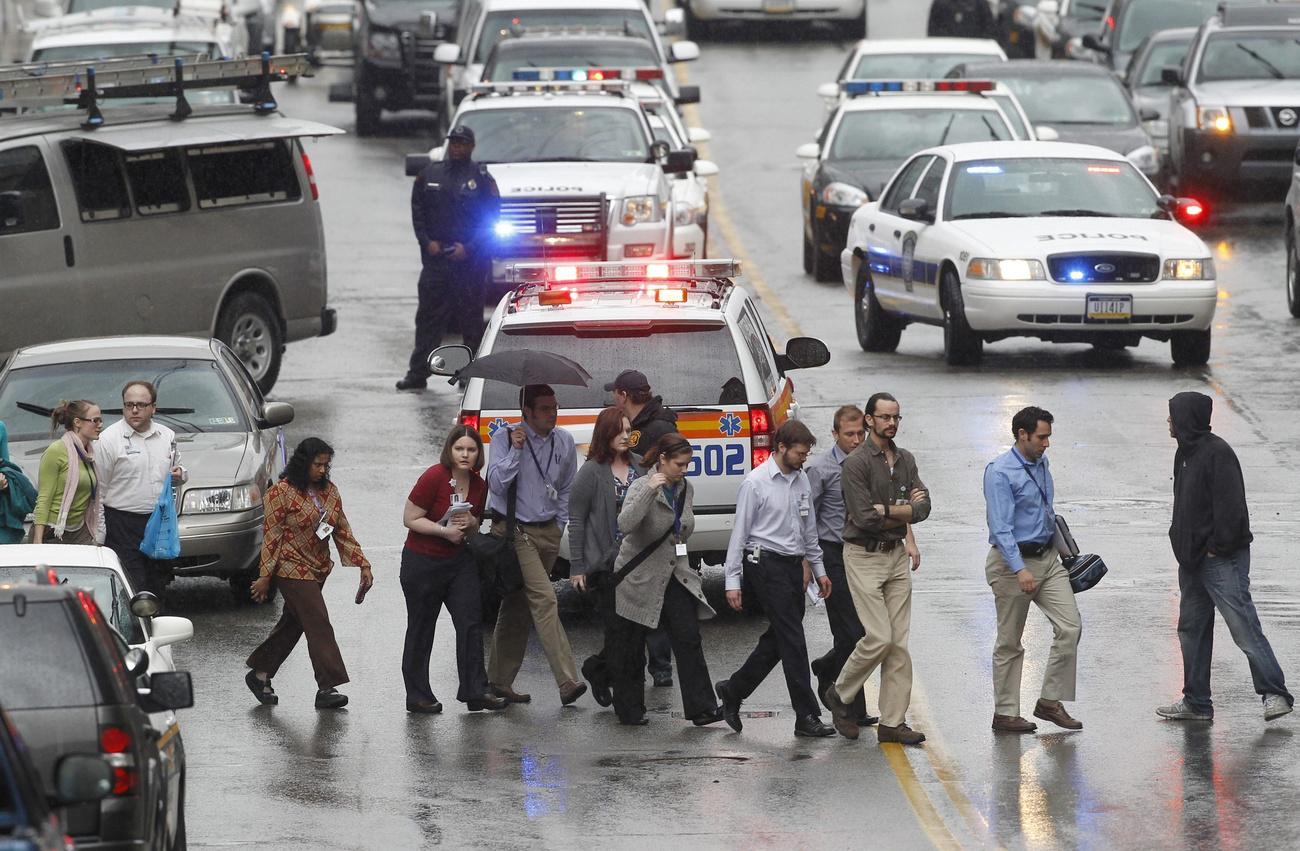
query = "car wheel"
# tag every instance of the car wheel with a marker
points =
(807, 255)
(1190, 348)
(251, 328)
(1292, 271)
(697, 30)
(824, 267)
(961, 345)
(877, 330)
(368, 109)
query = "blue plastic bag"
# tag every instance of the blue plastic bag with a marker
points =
(162, 535)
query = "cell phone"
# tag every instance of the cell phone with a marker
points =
(362, 591)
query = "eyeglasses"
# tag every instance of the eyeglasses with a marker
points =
(136, 406)
(95, 420)
(889, 418)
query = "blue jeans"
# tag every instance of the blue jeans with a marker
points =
(1222, 582)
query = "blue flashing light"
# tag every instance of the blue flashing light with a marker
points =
(1075, 275)
(983, 169)
(564, 75)
(856, 87)
(504, 229)
(531, 74)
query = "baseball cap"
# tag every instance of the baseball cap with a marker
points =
(460, 131)
(629, 381)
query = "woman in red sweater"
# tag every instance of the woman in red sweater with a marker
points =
(444, 508)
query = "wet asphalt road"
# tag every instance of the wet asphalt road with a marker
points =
(540, 775)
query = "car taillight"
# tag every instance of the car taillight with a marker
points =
(114, 740)
(760, 435)
(469, 418)
(311, 177)
(115, 744)
(124, 780)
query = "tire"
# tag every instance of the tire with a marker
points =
(877, 330)
(697, 30)
(250, 326)
(368, 109)
(961, 345)
(1190, 348)
(824, 269)
(808, 250)
(1292, 273)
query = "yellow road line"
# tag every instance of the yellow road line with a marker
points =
(946, 770)
(931, 822)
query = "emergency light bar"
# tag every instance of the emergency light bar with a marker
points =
(583, 75)
(618, 86)
(579, 273)
(853, 88)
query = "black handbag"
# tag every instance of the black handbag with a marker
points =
(498, 564)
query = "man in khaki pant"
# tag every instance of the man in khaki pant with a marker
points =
(883, 493)
(1024, 567)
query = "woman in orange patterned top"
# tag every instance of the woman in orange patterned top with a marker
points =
(302, 512)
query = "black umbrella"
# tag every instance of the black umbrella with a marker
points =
(526, 366)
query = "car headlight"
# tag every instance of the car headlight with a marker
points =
(1190, 270)
(844, 195)
(1157, 128)
(1214, 118)
(683, 213)
(215, 500)
(385, 45)
(641, 208)
(1145, 159)
(987, 269)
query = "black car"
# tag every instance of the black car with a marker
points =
(393, 42)
(1128, 22)
(71, 686)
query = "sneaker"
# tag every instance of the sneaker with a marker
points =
(1180, 711)
(1275, 706)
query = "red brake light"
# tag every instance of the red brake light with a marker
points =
(88, 603)
(311, 177)
(124, 780)
(1193, 210)
(759, 456)
(759, 420)
(649, 74)
(760, 431)
(469, 418)
(114, 740)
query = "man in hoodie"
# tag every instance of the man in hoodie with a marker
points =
(1210, 534)
(650, 420)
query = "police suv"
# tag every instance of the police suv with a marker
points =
(1064, 242)
(581, 175)
(686, 324)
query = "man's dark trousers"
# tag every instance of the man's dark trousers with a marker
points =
(846, 629)
(447, 290)
(123, 532)
(777, 582)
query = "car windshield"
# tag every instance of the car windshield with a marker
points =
(193, 395)
(1166, 54)
(558, 134)
(1014, 188)
(75, 6)
(896, 134)
(1139, 19)
(1084, 11)
(710, 376)
(547, 53)
(135, 48)
(498, 25)
(912, 66)
(1251, 56)
(110, 593)
(43, 664)
(1082, 99)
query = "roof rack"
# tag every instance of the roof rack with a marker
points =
(507, 87)
(87, 83)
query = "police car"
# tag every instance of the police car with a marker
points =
(913, 58)
(851, 160)
(1064, 242)
(690, 188)
(581, 175)
(730, 393)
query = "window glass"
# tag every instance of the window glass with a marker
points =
(158, 182)
(901, 188)
(1076, 99)
(559, 53)
(107, 51)
(1010, 112)
(859, 136)
(43, 664)
(701, 379)
(97, 175)
(244, 385)
(760, 349)
(250, 173)
(26, 195)
(499, 24)
(928, 188)
(110, 593)
(558, 134)
(1139, 20)
(1039, 186)
(1167, 54)
(1251, 56)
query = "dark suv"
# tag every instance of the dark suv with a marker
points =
(71, 685)
(393, 41)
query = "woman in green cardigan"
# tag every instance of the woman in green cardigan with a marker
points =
(67, 491)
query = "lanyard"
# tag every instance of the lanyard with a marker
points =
(550, 456)
(90, 471)
(311, 493)
(1030, 472)
(678, 504)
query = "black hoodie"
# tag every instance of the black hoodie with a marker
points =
(1210, 514)
(652, 423)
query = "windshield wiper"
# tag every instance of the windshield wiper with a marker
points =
(1272, 69)
(947, 127)
(994, 214)
(1096, 213)
(35, 409)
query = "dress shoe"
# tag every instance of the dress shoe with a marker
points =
(663, 680)
(639, 721)
(409, 383)
(487, 701)
(1013, 724)
(600, 690)
(811, 726)
(845, 724)
(571, 691)
(424, 707)
(1054, 711)
(868, 720)
(704, 719)
(730, 704)
(510, 694)
(330, 699)
(902, 734)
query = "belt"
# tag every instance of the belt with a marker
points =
(1033, 550)
(498, 517)
(774, 555)
(874, 546)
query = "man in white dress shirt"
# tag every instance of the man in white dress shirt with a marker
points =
(134, 459)
(775, 531)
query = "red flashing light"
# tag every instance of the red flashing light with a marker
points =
(649, 74)
(469, 418)
(124, 780)
(1192, 210)
(550, 298)
(595, 75)
(1105, 169)
(311, 177)
(114, 740)
(1110, 22)
(670, 295)
(758, 456)
(88, 604)
(760, 431)
(759, 420)
(963, 85)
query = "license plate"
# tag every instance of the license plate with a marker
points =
(1109, 307)
(778, 6)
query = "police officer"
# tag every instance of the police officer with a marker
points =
(453, 206)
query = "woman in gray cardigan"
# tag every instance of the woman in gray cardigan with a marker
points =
(656, 521)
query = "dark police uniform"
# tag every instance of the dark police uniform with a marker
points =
(451, 202)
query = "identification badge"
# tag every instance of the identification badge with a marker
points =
(803, 505)
(324, 530)
(681, 549)
(551, 492)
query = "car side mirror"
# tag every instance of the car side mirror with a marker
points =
(915, 209)
(168, 629)
(427, 28)
(828, 91)
(136, 661)
(11, 210)
(1171, 76)
(144, 604)
(683, 51)
(679, 162)
(415, 164)
(1091, 42)
(167, 690)
(705, 168)
(1047, 134)
(1148, 114)
(808, 151)
(275, 414)
(48, 8)
(81, 777)
(687, 94)
(449, 360)
(447, 53)
(803, 353)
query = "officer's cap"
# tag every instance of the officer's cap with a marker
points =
(460, 131)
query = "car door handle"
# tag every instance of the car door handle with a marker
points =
(68, 254)
(871, 228)
(897, 234)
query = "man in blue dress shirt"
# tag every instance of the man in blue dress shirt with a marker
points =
(1024, 567)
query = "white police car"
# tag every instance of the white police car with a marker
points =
(1064, 242)
(690, 189)
(730, 393)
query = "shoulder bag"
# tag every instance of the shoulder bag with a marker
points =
(498, 564)
(635, 562)
(1085, 569)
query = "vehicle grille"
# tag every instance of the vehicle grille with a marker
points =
(556, 228)
(1107, 268)
(1077, 319)
(1257, 117)
(426, 75)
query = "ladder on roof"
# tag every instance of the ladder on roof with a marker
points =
(85, 83)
